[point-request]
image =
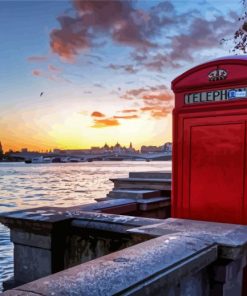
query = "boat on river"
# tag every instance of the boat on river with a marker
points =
(39, 159)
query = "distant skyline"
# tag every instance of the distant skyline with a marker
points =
(100, 146)
(76, 74)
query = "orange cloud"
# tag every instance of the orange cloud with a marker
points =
(128, 111)
(97, 114)
(146, 108)
(108, 122)
(157, 112)
(127, 117)
(157, 100)
(162, 96)
(162, 113)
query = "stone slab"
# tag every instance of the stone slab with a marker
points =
(142, 180)
(154, 203)
(163, 260)
(33, 263)
(130, 221)
(231, 238)
(140, 183)
(133, 194)
(16, 292)
(41, 220)
(30, 239)
(151, 175)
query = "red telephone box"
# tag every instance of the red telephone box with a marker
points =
(210, 142)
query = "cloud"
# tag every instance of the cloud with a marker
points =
(54, 68)
(97, 114)
(157, 112)
(117, 20)
(131, 69)
(201, 34)
(184, 36)
(159, 96)
(37, 72)
(157, 100)
(128, 111)
(72, 38)
(50, 75)
(108, 122)
(98, 85)
(37, 58)
(126, 117)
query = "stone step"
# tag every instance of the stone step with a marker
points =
(141, 183)
(151, 175)
(153, 203)
(134, 193)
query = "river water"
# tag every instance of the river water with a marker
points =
(61, 185)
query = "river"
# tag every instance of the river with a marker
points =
(68, 184)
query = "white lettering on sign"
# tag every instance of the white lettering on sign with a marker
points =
(215, 96)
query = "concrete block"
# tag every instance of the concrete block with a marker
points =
(30, 239)
(31, 263)
(151, 175)
(140, 183)
(160, 262)
(134, 194)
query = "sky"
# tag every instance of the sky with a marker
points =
(104, 68)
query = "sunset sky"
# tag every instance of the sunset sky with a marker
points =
(105, 67)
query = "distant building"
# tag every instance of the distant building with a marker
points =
(56, 150)
(151, 149)
(24, 150)
(95, 150)
(168, 147)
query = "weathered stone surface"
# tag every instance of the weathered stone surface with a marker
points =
(153, 203)
(231, 238)
(151, 175)
(16, 292)
(164, 260)
(30, 239)
(112, 218)
(141, 183)
(134, 194)
(41, 220)
(31, 263)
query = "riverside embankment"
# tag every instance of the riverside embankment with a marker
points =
(61, 185)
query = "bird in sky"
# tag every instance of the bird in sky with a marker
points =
(41, 94)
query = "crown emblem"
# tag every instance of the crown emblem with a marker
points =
(218, 74)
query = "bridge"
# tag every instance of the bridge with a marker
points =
(90, 157)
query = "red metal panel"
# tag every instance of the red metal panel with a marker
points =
(218, 154)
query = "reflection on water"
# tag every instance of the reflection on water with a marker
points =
(33, 185)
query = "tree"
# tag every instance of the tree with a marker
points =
(240, 36)
(1, 151)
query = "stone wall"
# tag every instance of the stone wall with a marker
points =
(144, 256)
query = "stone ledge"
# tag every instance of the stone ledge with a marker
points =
(151, 175)
(231, 238)
(163, 260)
(141, 180)
(17, 292)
